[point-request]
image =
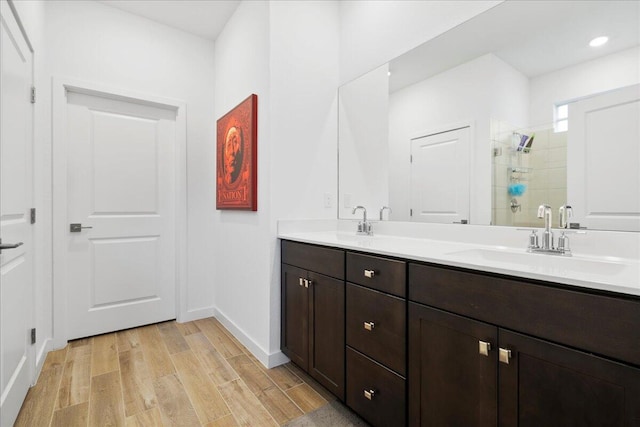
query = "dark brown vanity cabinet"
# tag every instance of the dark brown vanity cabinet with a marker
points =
(467, 367)
(313, 307)
(376, 338)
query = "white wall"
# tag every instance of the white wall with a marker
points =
(364, 146)
(240, 243)
(373, 32)
(609, 72)
(464, 95)
(292, 66)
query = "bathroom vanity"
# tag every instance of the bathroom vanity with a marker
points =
(415, 339)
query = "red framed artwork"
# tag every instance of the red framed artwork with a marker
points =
(237, 157)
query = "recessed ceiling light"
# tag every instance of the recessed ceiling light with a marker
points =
(598, 41)
(388, 73)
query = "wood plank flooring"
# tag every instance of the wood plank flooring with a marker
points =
(189, 374)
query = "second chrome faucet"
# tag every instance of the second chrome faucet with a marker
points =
(547, 244)
(364, 227)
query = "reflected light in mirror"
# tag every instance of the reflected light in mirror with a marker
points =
(598, 41)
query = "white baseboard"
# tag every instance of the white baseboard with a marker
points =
(41, 355)
(268, 360)
(199, 313)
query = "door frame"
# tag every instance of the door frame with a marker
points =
(60, 87)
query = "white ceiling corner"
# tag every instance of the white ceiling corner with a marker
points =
(204, 18)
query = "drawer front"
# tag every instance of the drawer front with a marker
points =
(604, 325)
(315, 258)
(374, 392)
(378, 273)
(376, 326)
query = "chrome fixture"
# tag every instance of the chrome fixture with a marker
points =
(544, 211)
(563, 241)
(364, 227)
(565, 213)
(515, 206)
(382, 209)
(547, 246)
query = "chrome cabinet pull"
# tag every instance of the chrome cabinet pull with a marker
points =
(301, 281)
(369, 326)
(484, 348)
(369, 394)
(369, 274)
(307, 283)
(504, 356)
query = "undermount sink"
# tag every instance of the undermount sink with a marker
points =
(541, 261)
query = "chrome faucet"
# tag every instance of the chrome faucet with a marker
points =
(382, 209)
(544, 211)
(364, 227)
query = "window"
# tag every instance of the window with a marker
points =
(561, 121)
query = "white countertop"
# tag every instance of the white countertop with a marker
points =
(605, 273)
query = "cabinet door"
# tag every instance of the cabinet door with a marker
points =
(546, 384)
(295, 316)
(327, 344)
(450, 382)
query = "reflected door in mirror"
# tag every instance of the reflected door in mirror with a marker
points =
(440, 177)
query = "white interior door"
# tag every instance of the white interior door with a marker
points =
(16, 199)
(121, 178)
(603, 153)
(440, 177)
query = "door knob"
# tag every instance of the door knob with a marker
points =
(76, 228)
(4, 246)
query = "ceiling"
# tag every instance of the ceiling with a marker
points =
(535, 37)
(204, 18)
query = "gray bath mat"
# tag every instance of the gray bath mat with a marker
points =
(334, 414)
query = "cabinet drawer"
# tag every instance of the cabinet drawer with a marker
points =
(383, 274)
(600, 324)
(376, 326)
(315, 258)
(374, 392)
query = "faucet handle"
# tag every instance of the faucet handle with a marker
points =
(533, 240)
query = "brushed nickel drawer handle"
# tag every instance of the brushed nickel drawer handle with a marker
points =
(484, 348)
(301, 281)
(369, 274)
(505, 355)
(369, 394)
(369, 326)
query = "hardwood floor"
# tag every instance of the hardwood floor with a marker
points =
(189, 374)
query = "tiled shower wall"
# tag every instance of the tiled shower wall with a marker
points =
(543, 170)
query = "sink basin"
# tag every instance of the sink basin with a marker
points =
(535, 261)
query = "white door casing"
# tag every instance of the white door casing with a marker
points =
(603, 153)
(439, 187)
(118, 168)
(16, 199)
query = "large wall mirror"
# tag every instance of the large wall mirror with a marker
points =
(512, 109)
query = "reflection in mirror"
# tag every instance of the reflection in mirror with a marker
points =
(530, 79)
